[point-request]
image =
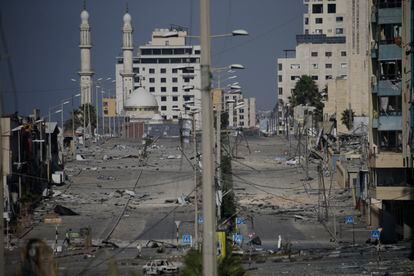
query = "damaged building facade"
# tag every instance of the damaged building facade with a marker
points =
(30, 159)
(391, 189)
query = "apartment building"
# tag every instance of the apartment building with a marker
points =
(168, 68)
(391, 185)
(321, 51)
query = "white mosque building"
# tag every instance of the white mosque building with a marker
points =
(141, 106)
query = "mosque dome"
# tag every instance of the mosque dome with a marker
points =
(127, 18)
(141, 98)
(84, 15)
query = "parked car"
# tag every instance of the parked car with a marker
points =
(157, 267)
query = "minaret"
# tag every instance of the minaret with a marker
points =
(85, 55)
(127, 48)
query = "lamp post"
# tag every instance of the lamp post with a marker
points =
(73, 127)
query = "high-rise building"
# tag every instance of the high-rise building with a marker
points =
(168, 68)
(321, 51)
(391, 185)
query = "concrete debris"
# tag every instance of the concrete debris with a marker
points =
(45, 192)
(56, 193)
(80, 157)
(103, 177)
(131, 193)
(64, 211)
(106, 157)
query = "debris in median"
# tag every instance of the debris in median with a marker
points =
(64, 211)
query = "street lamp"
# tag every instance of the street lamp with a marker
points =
(233, 33)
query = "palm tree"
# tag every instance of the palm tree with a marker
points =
(306, 92)
(82, 117)
(347, 118)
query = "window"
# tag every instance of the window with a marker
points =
(163, 80)
(318, 31)
(318, 20)
(175, 89)
(331, 8)
(186, 79)
(151, 70)
(197, 52)
(339, 18)
(175, 99)
(163, 98)
(241, 117)
(306, 31)
(314, 54)
(163, 89)
(175, 70)
(294, 78)
(328, 54)
(280, 78)
(152, 89)
(174, 80)
(328, 66)
(317, 8)
(344, 65)
(280, 91)
(280, 66)
(163, 70)
(315, 77)
(343, 53)
(163, 107)
(328, 77)
(151, 80)
(306, 20)
(339, 30)
(295, 66)
(315, 66)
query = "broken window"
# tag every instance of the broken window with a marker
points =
(390, 70)
(390, 140)
(391, 177)
(390, 106)
(390, 34)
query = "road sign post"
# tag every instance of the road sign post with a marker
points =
(350, 220)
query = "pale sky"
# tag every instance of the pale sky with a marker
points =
(43, 39)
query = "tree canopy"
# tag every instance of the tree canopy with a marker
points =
(306, 92)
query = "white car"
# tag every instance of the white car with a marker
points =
(157, 267)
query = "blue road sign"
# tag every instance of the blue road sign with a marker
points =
(238, 238)
(349, 220)
(240, 220)
(200, 219)
(187, 239)
(375, 234)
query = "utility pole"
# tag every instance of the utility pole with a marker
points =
(195, 185)
(209, 203)
(1, 193)
(73, 131)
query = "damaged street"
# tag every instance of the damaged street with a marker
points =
(128, 202)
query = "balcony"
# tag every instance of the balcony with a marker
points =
(387, 88)
(384, 123)
(389, 15)
(392, 193)
(389, 52)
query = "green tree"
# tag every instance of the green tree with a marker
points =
(229, 266)
(306, 92)
(347, 118)
(81, 113)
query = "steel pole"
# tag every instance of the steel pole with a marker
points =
(1, 195)
(73, 131)
(97, 110)
(209, 204)
(195, 185)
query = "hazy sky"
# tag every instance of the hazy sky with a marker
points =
(43, 39)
